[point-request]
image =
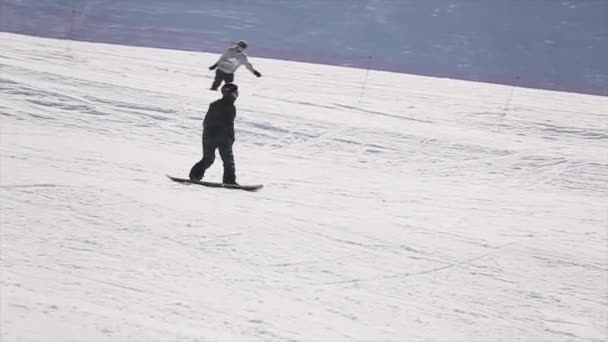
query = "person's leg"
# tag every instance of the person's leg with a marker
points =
(229, 78)
(228, 159)
(219, 77)
(198, 170)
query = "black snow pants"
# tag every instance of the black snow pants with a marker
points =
(210, 144)
(221, 76)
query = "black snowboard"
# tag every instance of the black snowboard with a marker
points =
(217, 185)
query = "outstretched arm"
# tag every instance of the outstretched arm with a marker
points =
(249, 66)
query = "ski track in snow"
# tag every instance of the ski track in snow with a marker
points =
(410, 208)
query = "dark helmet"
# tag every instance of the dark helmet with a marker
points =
(242, 44)
(229, 88)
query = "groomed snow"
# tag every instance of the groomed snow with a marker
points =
(395, 207)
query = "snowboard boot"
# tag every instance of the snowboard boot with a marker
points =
(194, 175)
(230, 181)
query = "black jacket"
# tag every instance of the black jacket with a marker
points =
(219, 121)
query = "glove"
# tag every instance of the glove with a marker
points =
(213, 67)
(257, 73)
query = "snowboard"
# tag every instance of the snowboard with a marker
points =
(217, 185)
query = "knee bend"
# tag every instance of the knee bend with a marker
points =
(209, 159)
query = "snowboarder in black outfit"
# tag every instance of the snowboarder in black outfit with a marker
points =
(218, 133)
(231, 60)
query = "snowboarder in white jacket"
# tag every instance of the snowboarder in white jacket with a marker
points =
(229, 62)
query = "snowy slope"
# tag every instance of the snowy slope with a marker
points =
(395, 207)
(559, 45)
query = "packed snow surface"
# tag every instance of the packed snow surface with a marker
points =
(394, 208)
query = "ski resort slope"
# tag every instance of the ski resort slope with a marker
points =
(394, 208)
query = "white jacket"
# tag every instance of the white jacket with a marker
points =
(232, 60)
